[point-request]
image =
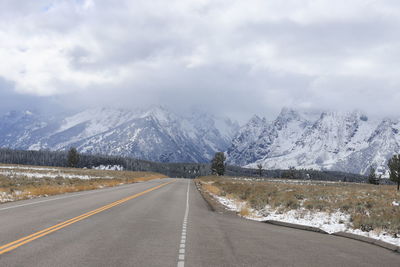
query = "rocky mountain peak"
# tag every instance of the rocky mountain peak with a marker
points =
(344, 141)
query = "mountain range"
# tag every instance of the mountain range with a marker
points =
(344, 141)
(154, 134)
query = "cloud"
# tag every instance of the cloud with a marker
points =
(11, 100)
(229, 57)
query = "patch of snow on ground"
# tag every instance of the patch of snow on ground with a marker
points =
(229, 203)
(329, 222)
(109, 167)
(6, 197)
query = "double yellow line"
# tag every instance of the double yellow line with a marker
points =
(17, 243)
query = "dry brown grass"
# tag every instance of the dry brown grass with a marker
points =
(212, 189)
(18, 183)
(244, 211)
(369, 206)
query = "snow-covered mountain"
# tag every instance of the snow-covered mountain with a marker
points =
(243, 149)
(342, 141)
(154, 134)
(345, 141)
(260, 140)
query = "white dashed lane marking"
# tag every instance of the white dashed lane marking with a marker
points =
(182, 246)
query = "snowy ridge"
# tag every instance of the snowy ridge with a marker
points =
(343, 141)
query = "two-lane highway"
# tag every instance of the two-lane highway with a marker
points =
(161, 223)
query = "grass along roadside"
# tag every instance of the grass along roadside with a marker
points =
(363, 209)
(19, 182)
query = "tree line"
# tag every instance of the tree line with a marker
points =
(72, 158)
(217, 166)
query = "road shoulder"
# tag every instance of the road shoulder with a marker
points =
(216, 206)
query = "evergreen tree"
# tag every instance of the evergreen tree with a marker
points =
(218, 163)
(259, 167)
(394, 170)
(372, 179)
(290, 174)
(73, 157)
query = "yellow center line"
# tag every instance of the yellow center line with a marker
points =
(17, 243)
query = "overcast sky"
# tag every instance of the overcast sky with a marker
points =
(230, 57)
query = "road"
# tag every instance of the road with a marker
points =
(161, 223)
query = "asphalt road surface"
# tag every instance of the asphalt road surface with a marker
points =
(161, 223)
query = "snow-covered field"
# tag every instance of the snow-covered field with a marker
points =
(13, 167)
(13, 171)
(28, 174)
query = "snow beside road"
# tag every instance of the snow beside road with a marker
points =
(329, 222)
(8, 197)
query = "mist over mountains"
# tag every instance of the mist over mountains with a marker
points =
(344, 141)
